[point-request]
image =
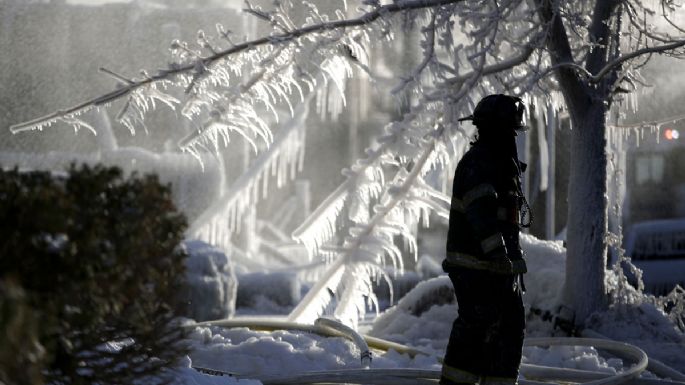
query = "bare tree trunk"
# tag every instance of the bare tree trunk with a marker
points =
(585, 290)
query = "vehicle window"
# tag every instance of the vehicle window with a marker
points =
(665, 245)
(649, 168)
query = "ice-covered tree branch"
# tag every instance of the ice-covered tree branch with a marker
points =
(632, 55)
(613, 64)
(447, 87)
(560, 51)
(428, 56)
(205, 62)
(353, 251)
(598, 34)
(319, 227)
(285, 156)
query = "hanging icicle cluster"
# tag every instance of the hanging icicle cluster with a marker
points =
(282, 160)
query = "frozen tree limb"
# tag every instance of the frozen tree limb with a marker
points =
(310, 305)
(401, 192)
(598, 34)
(244, 191)
(116, 75)
(347, 305)
(632, 55)
(428, 56)
(502, 65)
(561, 52)
(167, 74)
(320, 226)
(609, 67)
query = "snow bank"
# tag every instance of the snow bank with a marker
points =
(640, 319)
(405, 322)
(546, 262)
(423, 318)
(211, 283)
(633, 316)
(282, 352)
(572, 357)
(646, 327)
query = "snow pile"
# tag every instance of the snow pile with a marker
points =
(642, 320)
(546, 262)
(646, 327)
(406, 322)
(281, 352)
(211, 283)
(572, 357)
(423, 318)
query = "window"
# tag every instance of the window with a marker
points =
(649, 168)
(659, 245)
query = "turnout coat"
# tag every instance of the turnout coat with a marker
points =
(485, 213)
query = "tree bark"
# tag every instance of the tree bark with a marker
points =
(585, 290)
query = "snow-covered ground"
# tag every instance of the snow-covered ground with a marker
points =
(423, 318)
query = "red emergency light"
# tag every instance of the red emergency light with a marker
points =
(671, 134)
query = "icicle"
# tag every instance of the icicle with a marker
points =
(322, 98)
(245, 191)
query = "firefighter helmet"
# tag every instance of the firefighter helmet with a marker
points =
(494, 111)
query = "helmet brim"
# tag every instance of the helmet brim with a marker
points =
(519, 128)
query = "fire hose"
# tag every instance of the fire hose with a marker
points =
(533, 374)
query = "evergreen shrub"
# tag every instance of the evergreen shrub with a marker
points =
(90, 265)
